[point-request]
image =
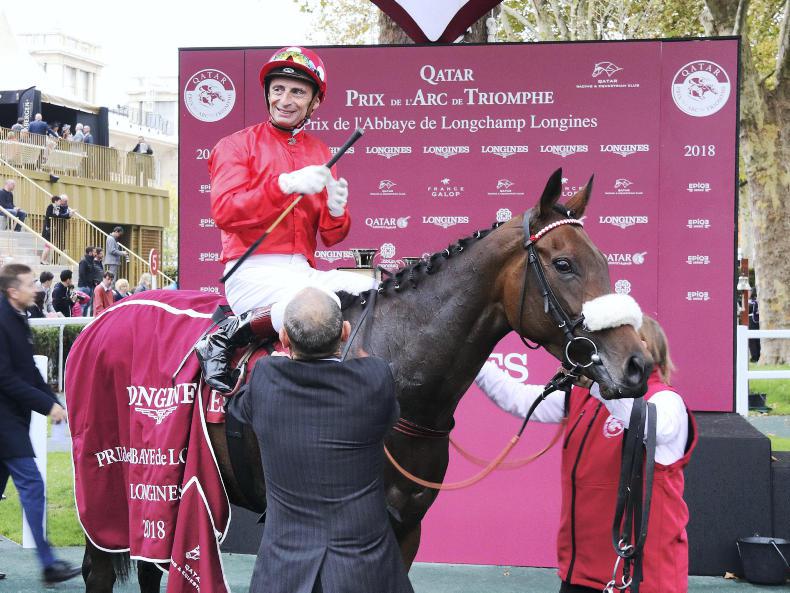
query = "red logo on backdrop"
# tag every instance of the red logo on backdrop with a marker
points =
(209, 95)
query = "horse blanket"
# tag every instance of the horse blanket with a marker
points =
(145, 476)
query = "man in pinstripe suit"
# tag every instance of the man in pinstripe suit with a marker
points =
(320, 425)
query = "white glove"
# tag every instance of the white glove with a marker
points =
(338, 197)
(309, 180)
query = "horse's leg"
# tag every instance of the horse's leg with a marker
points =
(148, 576)
(409, 544)
(101, 574)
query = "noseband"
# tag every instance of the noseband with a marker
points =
(552, 305)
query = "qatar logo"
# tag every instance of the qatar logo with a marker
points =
(209, 95)
(626, 259)
(700, 88)
(622, 287)
(387, 223)
(613, 427)
(605, 69)
(387, 250)
(503, 215)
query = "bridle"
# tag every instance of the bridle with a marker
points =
(551, 304)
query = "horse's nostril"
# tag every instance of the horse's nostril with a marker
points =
(635, 370)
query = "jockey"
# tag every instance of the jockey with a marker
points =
(255, 174)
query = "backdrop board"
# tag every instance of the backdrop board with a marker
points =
(458, 137)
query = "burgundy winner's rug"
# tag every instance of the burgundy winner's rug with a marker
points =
(146, 479)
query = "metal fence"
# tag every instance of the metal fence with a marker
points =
(36, 152)
(742, 372)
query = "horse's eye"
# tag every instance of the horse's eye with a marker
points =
(563, 266)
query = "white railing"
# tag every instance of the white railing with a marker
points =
(60, 322)
(742, 372)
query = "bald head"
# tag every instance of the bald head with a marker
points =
(313, 324)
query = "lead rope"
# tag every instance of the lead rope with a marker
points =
(633, 497)
(559, 382)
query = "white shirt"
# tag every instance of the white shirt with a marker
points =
(516, 398)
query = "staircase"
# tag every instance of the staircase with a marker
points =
(25, 247)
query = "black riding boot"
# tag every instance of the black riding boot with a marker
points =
(216, 350)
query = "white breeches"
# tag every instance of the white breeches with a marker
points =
(271, 279)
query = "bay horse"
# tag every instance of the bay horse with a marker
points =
(436, 322)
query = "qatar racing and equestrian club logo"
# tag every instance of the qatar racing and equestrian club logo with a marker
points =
(209, 95)
(613, 427)
(700, 88)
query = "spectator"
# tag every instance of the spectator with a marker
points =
(86, 281)
(24, 135)
(754, 323)
(88, 138)
(121, 289)
(55, 129)
(67, 133)
(80, 300)
(103, 297)
(63, 296)
(7, 202)
(142, 146)
(12, 137)
(98, 267)
(22, 391)
(79, 135)
(19, 125)
(38, 125)
(58, 208)
(36, 310)
(144, 284)
(44, 283)
(113, 251)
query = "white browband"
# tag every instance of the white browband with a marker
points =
(611, 310)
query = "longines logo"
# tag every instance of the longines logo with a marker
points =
(332, 256)
(388, 151)
(504, 151)
(445, 189)
(334, 149)
(209, 95)
(626, 259)
(623, 187)
(625, 149)
(698, 260)
(445, 221)
(207, 223)
(159, 402)
(623, 221)
(445, 151)
(700, 88)
(698, 223)
(208, 256)
(504, 188)
(386, 188)
(383, 223)
(698, 187)
(697, 295)
(563, 150)
(622, 287)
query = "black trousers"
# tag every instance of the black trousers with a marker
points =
(568, 588)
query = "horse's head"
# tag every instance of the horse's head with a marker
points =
(556, 292)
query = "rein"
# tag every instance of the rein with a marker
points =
(629, 530)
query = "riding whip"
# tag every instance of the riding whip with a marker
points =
(251, 249)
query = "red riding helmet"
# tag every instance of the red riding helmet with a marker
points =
(296, 62)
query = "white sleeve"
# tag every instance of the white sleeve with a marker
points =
(516, 398)
(671, 421)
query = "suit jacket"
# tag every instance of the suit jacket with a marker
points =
(21, 387)
(87, 272)
(6, 199)
(38, 127)
(112, 252)
(320, 428)
(61, 300)
(138, 149)
(88, 138)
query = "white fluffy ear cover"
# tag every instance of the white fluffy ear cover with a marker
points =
(611, 310)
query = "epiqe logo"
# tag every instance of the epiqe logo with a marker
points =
(701, 88)
(209, 95)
